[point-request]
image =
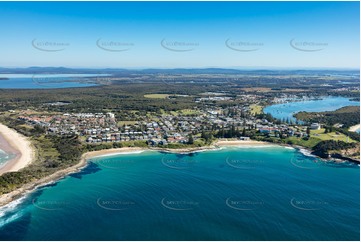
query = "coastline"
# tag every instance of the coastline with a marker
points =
(354, 128)
(27, 188)
(13, 143)
(216, 145)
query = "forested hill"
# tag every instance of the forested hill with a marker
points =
(348, 116)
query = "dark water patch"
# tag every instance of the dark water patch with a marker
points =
(181, 155)
(91, 168)
(180, 161)
(17, 229)
(53, 184)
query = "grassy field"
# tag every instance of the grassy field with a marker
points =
(189, 112)
(319, 134)
(26, 127)
(255, 109)
(160, 96)
(311, 142)
(182, 112)
(121, 123)
(257, 89)
(47, 151)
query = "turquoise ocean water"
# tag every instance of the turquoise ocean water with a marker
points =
(248, 193)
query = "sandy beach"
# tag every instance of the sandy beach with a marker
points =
(17, 145)
(98, 153)
(354, 128)
(240, 143)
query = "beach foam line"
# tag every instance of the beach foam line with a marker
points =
(4, 210)
(10, 219)
(306, 153)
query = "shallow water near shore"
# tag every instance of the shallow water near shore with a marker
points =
(5, 157)
(264, 193)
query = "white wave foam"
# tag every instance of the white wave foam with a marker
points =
(11, 206)
(306, 153)
(190, 152)
(10, 219)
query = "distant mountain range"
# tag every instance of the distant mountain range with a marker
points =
(65, 70)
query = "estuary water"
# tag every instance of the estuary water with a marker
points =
(235, 193)
(286, 110)
(42, 81)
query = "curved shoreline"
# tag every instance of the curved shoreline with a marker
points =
(16, 144)
(28, 188)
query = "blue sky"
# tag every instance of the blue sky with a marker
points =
(180, 34)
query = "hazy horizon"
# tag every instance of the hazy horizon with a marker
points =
(255, 68)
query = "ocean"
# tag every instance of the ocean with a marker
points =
(234, 193)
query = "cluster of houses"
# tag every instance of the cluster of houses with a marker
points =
(100, 127)
(284, 130)
(77, 123)
(163, 129)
